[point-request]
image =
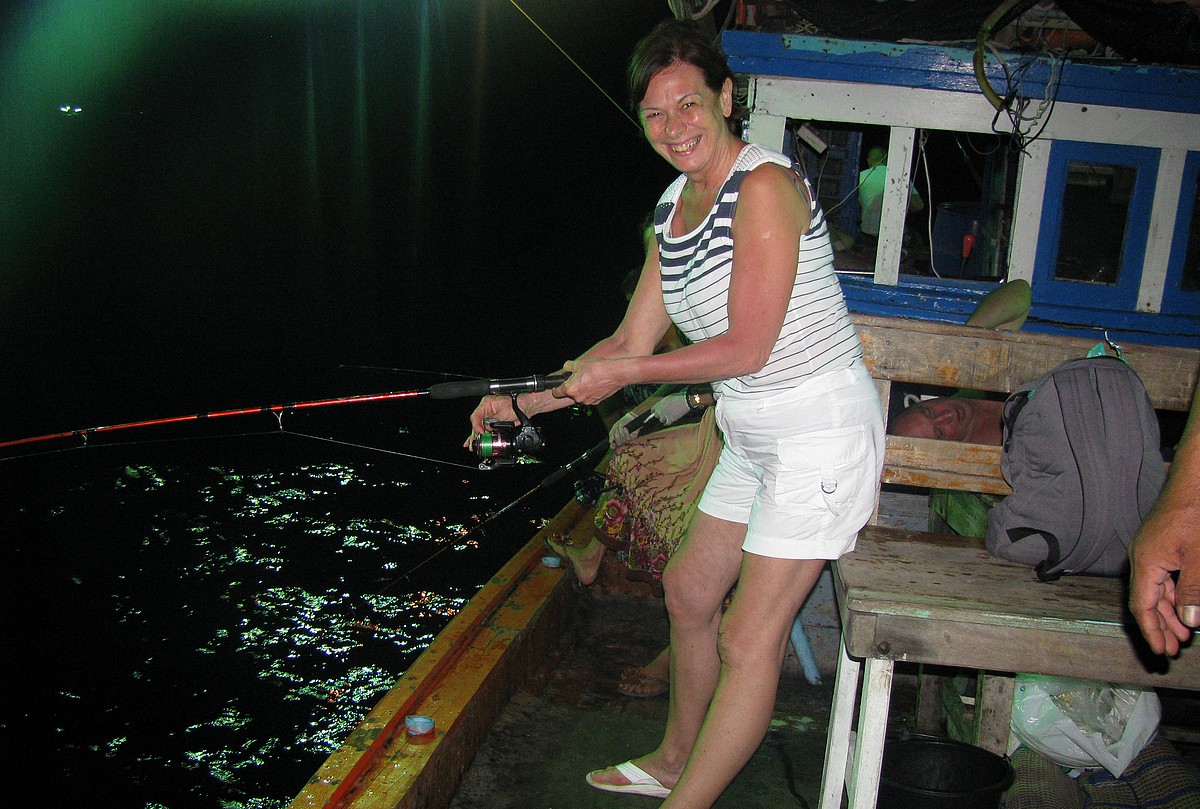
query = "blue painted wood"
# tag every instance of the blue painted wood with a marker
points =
(1123, 294)
(952, 301)
(1176, 300)
(940, 67)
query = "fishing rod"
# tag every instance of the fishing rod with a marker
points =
(442, 390)
(587, 491)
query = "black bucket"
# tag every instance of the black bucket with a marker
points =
(926, 772)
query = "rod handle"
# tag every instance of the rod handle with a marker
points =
(493, 387)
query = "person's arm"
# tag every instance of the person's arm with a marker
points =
(1169, 540)
(771, 216)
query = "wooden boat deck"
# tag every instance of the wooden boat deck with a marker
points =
(522, 685)
(570, 720)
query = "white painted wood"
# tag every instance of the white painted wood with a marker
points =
(895, 205)
(766, 130)
(837, 743)
(863, 784)
(1163, 214)
(851, 102)
(1027, 213)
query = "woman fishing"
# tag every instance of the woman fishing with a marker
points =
(744, 269)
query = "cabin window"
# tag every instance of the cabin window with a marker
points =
(1191, 264)
(1095, 225)
(1181, 291)
(1095, 212)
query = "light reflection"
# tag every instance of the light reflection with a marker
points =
(278, 588)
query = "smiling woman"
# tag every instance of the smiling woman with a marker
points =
(744, 268)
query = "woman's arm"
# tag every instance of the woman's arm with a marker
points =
(771, 216)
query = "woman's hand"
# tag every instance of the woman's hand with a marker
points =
(490, 407)
(591, 381)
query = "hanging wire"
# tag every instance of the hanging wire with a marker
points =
(577, 66)
(680, 9)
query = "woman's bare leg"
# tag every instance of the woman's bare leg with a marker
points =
(696, 581)
(752, 640)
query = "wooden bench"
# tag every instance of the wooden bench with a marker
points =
(941, 599)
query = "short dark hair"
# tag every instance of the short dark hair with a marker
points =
(669, 42)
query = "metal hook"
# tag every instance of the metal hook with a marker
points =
(1113, 346)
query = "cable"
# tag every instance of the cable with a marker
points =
(929, 198)
(996, 19)
(603, 92)
(680, 12)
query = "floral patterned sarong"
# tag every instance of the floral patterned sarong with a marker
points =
(656, 484)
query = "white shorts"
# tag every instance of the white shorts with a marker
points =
(800, 468)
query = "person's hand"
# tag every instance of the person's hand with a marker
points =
(671, 409)
(489, 407)
(591, 381)
(619, 434)
(1165, 610)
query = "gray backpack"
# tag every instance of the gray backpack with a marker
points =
(1081, 453)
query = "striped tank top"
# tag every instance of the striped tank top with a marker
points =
(817, 335)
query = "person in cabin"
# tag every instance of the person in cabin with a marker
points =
(1168, 542)
(744, 267)
(947, 418)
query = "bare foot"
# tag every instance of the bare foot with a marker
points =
(585, 560)
(649, 680)
(637, 682)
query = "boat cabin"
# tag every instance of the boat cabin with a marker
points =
(1081, 177)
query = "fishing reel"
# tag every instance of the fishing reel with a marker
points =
(503, 441)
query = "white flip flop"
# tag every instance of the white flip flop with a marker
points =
(640, 782)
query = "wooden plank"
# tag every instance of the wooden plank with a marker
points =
(942, 599)
(993, 711)
(934, 464)
(947, 355)
(462, 680)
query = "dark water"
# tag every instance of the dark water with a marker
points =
(200, 623)
(210, 206)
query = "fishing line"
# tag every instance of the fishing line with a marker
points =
(481, 527)
(474, 467)
(603, 92)
(412, 371)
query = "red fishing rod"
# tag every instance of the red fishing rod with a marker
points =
(444, 390)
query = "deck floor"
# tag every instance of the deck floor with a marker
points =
(574, 721)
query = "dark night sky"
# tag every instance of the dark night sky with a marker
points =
(249, 199)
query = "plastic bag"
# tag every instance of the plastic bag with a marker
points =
(1083, 723)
